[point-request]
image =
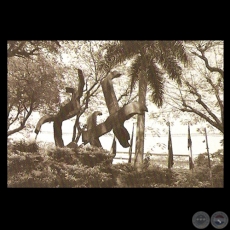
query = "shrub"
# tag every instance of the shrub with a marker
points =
(218, 157)
(18, 162)
(200, 177)
(24, 146)
(65, 155)
(184, 179)
(151, 177)
(146, 161)
(92, 168)
(215, 159)
(85, 177)
(59, 167)
(203, 172)
(93, 156)
(218, 176)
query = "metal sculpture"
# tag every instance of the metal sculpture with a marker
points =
(91, 125)
(117, 116)
(115, 121)
(69, 110)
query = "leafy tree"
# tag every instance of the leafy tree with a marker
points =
(30, 48)
(33, 80)
(201, 91)
(151, 62)
(33, 85)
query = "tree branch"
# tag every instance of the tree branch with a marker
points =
(22, 126)
(94, 62)
(220, 102)
(210, 68)
(9, 107)
(199, 100)
(16, 117)
(125, 94)
(208, 110)
(192, 110)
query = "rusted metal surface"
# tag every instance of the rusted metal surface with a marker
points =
(43, 120)
(116, 122)
(109, 93)
(91, 124)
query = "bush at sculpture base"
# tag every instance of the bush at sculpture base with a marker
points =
(24, 146)
(58, 167)
(147, 178)
(94, 157)
(90, 167)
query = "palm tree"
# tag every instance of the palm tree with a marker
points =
(151, 61)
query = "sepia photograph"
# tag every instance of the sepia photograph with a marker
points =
(115, 113)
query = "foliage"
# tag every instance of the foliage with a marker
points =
(86, 177)
(55, 167)
(92, 168)
(19, 162)
(201, 160)
(154, 59)
(151, 177)
(65, 154)
(24, 146)
(151, 62)
(89, 156)
(200, 96)
(33, 85)
(218, 176)
(216, 158)
(146, 161)
(93, 157)
(203, 172)
(30, 48)
(187, 178)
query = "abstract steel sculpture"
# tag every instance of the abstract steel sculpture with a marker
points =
(117, 116)
(71, 109)
(115, 121)
(91, 125)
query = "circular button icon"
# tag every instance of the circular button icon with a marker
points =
(219, 220)
(201, 220)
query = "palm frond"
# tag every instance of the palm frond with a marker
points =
(169, 54)
(179, 50)
(149, 47)
(173, 69)
(134, 72)
(118, 52)
(147, 54)
(176, 49)
(155, 81)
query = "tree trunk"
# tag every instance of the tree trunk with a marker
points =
(140, 133)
